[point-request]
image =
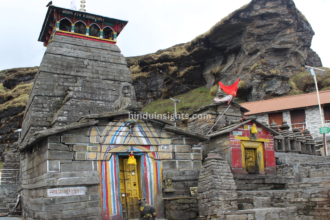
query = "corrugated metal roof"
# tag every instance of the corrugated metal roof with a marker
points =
(288, 102)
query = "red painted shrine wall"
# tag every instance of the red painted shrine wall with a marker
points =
(268, 148)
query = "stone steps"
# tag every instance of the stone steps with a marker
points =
(275, 213)
(309, 203)
(11, 205)
(315, 179)
(323, 172)
(308, 185)
(3, 211)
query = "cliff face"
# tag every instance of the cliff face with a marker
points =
(264, 43)
(15, 86)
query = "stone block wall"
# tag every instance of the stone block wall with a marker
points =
(54, 186)
(8, 197)
(181, 208)
(66, 172)
(307, 203)
(183, 167)
(312, 115)
(313, 120)
(221, 145)
(77, 77)
(262, 118)
(202, 120)
(287, 117)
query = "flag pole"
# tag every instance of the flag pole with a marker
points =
(318, 99)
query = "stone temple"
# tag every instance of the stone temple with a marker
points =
(82, 123)
(81, 72)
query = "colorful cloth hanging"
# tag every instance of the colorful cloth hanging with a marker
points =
(230, 90)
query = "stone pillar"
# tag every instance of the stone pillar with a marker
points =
(307, 144)
(278, 140)
(310, 143)
(216, 189)
(114, 35)
(299, 139)
(285, 133)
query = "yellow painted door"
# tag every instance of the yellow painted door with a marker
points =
(250, 160)
(131, 190)
(122, 187)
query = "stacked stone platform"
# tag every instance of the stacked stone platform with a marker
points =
(216, 189)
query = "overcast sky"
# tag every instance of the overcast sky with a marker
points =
(153, 24)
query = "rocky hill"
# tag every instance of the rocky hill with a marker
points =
(264, 43)
(15, 86)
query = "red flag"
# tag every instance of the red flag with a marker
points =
(230, 90)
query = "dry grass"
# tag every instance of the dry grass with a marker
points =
(12, 73)
(172, 69)
(17, 97)
(275, 72)
(241, 84)
(187, 70)
(140, 75)
(3, 90)
(135, 69)
(214, 89)
(218, 69)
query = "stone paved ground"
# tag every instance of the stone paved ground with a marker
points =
(11, 218)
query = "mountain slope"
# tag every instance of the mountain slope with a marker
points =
(264, 43)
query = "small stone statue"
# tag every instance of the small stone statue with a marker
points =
(147, 211)
(169, 184)
(124, 99)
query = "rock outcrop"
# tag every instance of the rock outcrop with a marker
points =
(264, 43)
(15, 86)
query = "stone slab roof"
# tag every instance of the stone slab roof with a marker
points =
(229, 128)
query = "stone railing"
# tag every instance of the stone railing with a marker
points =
(293, 141)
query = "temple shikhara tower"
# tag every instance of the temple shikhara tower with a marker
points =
(81, 72)
(77, 134)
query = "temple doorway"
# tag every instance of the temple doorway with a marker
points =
(129, 188)
(253, 157)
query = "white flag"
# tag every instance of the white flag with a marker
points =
(73, 5)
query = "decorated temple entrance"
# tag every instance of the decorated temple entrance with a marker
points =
(252, 157)
(129, 188)
(250, 160)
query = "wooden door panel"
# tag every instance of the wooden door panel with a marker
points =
(250, 160)
(298, 119)
(326, 110)
(276, 117)
(132, 190)
(122, 187)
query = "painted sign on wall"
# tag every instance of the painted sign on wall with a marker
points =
(72, 191)
(237, 133)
